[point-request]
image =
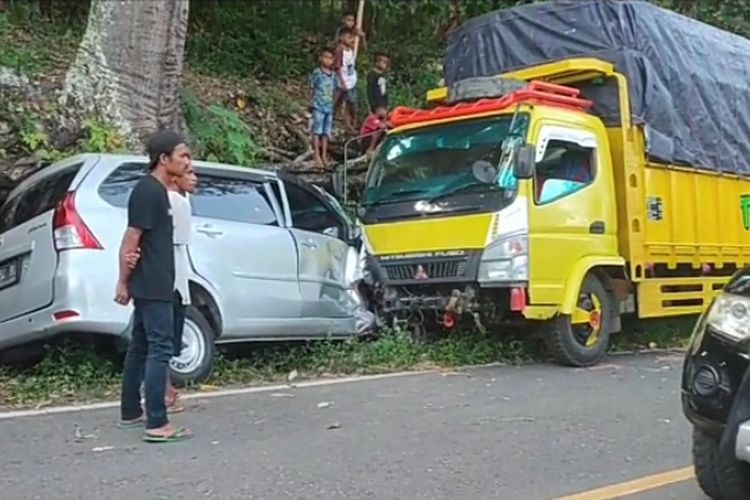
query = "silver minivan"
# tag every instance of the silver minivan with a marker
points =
(273, 258)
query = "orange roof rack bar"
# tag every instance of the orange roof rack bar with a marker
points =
(536, 93)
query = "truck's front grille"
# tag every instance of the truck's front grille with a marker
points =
(430, 270)
(420, 269)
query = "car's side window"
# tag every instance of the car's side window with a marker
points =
(310, 213)
(116, 188)
(236, 200)
(566, 168)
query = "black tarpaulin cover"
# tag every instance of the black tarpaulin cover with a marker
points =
(689, 82)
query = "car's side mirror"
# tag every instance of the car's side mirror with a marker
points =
(332, 231)
(524, 159)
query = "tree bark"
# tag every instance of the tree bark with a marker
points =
(128, 70)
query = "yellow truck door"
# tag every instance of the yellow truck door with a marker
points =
(572, 213)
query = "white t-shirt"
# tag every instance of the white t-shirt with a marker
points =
(349, 68)
(181, 214)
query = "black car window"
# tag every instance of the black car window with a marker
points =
(116, 188)
(236, 200)
(43, 195)
(6, 214)
(309, 212)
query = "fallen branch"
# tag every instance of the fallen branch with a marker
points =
(276, 154)
(282, 152)
(303, 157)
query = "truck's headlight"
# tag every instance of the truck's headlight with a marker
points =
(506, 259)
(730, 316)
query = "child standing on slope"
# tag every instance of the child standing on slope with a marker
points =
(323, 84)
(377, 82)
(346, 71)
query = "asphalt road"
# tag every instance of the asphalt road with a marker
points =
(534, 432)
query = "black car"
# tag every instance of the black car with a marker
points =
(716, 392)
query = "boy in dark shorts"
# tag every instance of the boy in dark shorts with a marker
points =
(377, 82)
(323, 84)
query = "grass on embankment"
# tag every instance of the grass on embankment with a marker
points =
(73, 374)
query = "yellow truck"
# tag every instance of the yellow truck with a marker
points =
(529, 203)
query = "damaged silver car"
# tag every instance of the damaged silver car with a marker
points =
(273, 258)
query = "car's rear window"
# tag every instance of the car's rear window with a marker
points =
(116, 188)
(40, 197)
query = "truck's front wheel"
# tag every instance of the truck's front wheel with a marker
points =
(582, 338)
(718, 475)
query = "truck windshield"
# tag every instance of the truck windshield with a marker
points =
(438, 161)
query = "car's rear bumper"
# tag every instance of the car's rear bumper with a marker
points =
(42, 325)
(83, 303)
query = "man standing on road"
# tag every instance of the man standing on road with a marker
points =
(151, 286)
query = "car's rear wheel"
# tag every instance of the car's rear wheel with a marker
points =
(196, 361)
(720, 476)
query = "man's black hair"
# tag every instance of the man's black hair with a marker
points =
(347, 14)
(346, 31)
(163, 142)
(326, 50)
(380, 53)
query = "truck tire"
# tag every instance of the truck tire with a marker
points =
(721, 477)
(195, 363)
(572, 343)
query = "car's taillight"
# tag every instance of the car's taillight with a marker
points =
(69, 229)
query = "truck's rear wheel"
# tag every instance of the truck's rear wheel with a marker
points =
(719, 476)
(582, 338)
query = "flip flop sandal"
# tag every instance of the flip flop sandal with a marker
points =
(180, 434)
(174, 406)
(129, 425)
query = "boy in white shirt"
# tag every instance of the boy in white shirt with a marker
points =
(181, 215)
(345, 65)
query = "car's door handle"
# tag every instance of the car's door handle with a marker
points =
(210, 231)
(309, 244)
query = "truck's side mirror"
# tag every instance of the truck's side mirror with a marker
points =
(523, 162)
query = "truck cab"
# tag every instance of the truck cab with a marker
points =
(496, 209)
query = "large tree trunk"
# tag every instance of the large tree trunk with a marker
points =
(128, 71)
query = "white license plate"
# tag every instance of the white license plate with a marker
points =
(9, 273)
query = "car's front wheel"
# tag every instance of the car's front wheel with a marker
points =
(195, 362)
(721, 477)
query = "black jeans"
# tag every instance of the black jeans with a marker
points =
(147, 362)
